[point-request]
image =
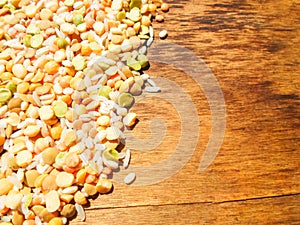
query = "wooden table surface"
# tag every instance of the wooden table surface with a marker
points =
(252, 49)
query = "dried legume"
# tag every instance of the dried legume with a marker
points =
(64, 179)
(68, 211)
(80, 198)
(104, 186)
(163, 34)
(52, 201)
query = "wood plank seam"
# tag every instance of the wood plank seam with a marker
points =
(195, 203)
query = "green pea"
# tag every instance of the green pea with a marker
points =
(111, 154)
(78, 19)
(28, 200)
(135, 3)
(5, 95)
(11, 86)
(33, 29)
(7, 37)
(124, 87)
(133, 64)
(103, 65)
(125, 100)
(143, 60)
(61, 42)
(60, 108)
(121, 16)
(10, 7)
(144, 30)
(27, 40)
(60, 158)
(104, 91)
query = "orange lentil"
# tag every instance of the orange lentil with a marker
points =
(51, 67)
(68, 169)
(67, 99)
(90, 179)
(2, 140)
(72, 160)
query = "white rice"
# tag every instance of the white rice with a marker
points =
(49, 41)
(130, 178)
(14, 179)
(19, 57)
(149, 42)
(96, 77)
(29, 145)
(126, 159)
(143, 50)
(37, 220)
(67, 63)
(2, 202)
(14, 43)
(41, 169)
(22, 124)
(151, 31)
(94, 114)
(64, 220)
(7, 144)
(111, 164)
(100, 147)
(36, 99)
(80, 211)
(151, 82)
(6, 218)
(80, 134)
(70, 190)
(97, 156)
(89, 143)
(16, 134)
(3, 123)
(20, 174)
(152, 89)
(68, 91)
(91, 89)
(42, 51)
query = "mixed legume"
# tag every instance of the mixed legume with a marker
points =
(68, 73)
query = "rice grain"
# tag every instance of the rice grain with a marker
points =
(126, 159)
(130, 178)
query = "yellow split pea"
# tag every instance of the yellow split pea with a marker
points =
(46, 112)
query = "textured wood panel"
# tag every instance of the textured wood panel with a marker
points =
(253, 50)
(280, 210)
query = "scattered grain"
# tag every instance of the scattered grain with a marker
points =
(129, 179)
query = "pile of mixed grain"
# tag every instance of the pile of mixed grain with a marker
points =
(68, 72)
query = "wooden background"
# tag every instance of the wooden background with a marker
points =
(253, 49)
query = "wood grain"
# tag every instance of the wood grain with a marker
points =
(280, 210)
(253, 49)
